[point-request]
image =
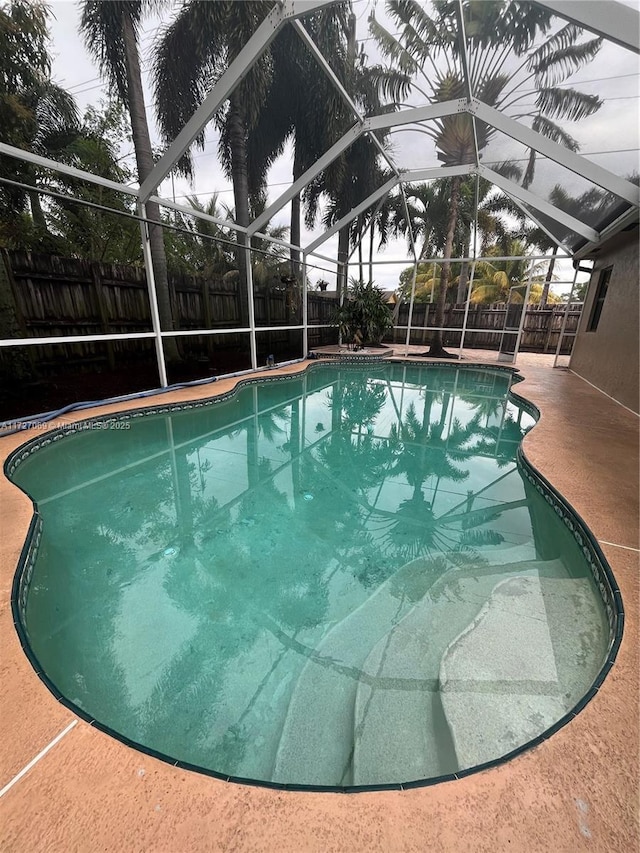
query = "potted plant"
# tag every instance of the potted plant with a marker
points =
(364, 316)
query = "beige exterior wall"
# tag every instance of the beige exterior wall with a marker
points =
(609, 356)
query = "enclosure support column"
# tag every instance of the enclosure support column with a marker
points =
(565, 317)
(153, 298)
(252, 309)
(467, 304)
(305, 308)
(413, 295)
(415, 271)
(523, 316)
(475, 254)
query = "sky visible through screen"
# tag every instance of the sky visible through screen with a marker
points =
(609, 138)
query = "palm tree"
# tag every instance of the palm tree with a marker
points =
(302, 104)
(210, 249)
(207, 37)
(428, 48)
(494, 279)
(357, 173)
(111, 33)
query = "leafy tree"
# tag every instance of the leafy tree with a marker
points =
(111, 32)
(207, 246)
(427, 47)
(35, 114)
(83, 231)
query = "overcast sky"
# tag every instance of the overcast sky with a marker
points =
(610, 137)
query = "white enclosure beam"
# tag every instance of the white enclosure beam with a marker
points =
(297, 186)
(413, 175)
(197, 214)
(45, 163)
(346, 97)
(528, 198)
(616, 22)
(153, 297)
(356, 211)
(558, 153)
(629, 217)
(466, 69)
(539, 225)
(328, 70)
(415, 115)
(237, 70)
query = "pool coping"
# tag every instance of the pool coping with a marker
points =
(506, 769)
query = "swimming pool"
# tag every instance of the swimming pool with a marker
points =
(339, 579)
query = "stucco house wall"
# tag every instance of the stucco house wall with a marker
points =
(609, 356)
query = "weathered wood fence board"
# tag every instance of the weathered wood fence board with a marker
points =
(54, 296)
(541, 331)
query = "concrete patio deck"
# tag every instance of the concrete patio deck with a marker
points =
(577, 791)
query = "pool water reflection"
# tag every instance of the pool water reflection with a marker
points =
(341, 578)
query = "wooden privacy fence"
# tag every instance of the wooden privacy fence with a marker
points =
(46, 296)
(541, 331)
(51, 296)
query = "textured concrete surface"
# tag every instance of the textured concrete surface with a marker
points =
(578, 791)
(500, 677)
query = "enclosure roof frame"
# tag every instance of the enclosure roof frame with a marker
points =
(609, 19)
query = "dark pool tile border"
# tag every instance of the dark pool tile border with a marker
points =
(24, 451)
(603, 577)
(355, 358)
(601, 573)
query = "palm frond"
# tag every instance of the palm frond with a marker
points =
(392, 49)
(570, 104)
(101, 25)
(541, 124)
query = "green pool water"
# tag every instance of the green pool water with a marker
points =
(342, 579)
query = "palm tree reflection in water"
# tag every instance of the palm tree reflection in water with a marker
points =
(258, 533)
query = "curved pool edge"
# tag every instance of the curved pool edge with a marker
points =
(602, 573)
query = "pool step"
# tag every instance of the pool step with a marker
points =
(507, 676)
(400, 731)
(317, 736)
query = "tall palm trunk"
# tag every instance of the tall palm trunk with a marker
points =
(294, 232)
(144, 161)
(436, 350)
(547, 282)
(37, 214)
(372, 232)
(240, 177)
(343, 259)
(423, 438)
(463, 280)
